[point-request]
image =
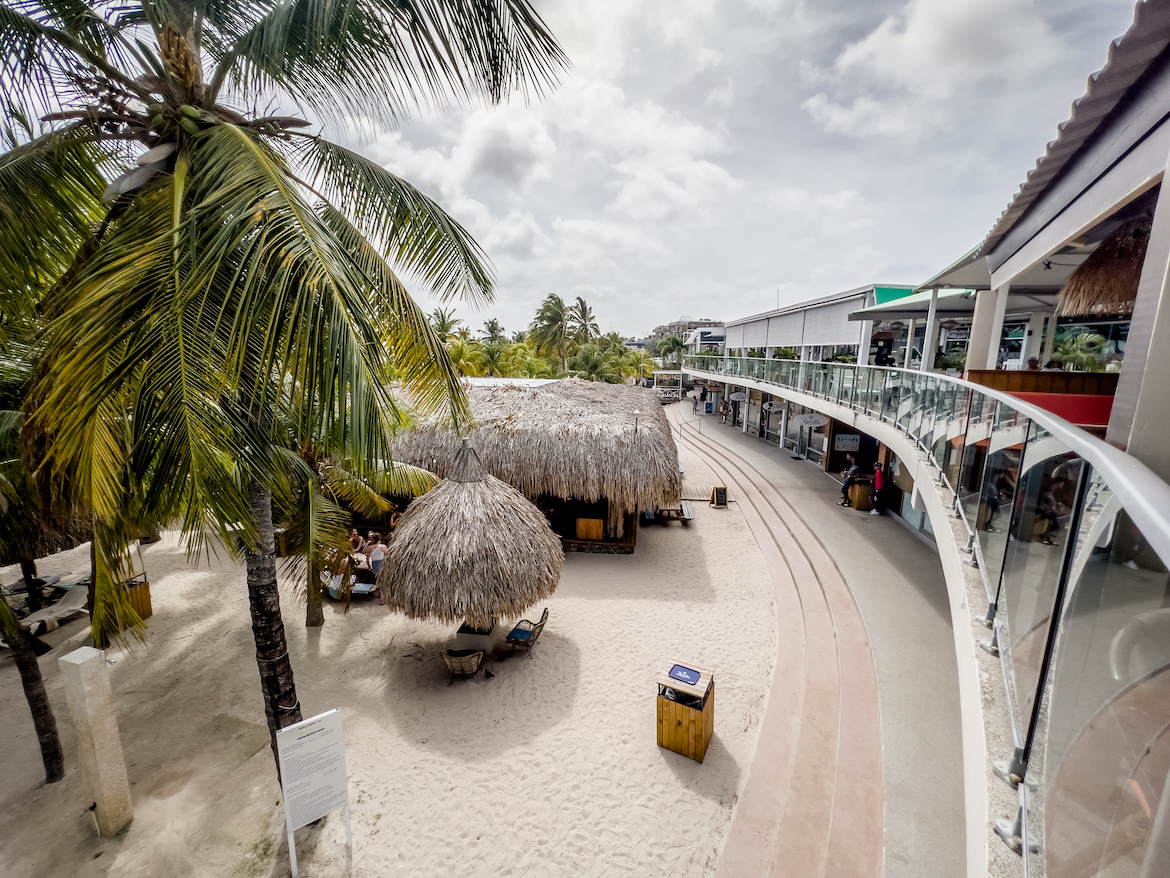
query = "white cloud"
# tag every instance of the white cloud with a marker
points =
(918, 67)
(724, 95)
(518, 235)
(832, 213)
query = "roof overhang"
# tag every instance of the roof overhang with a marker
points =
(1046, 277)
(955, 304)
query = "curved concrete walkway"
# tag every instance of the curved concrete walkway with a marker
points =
(858, 769)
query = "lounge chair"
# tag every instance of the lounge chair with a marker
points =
(463, 663)
(526, 633)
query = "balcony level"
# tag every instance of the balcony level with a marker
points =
(1053, 546)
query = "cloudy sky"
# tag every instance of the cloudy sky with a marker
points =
(703, 157)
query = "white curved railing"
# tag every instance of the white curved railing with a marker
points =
(1073, 537)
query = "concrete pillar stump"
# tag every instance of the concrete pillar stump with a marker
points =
(99, 745)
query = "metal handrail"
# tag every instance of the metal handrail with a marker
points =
(1143, 494)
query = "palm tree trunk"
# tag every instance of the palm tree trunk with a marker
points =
(38, 703)
(314, 609)
(281, 706)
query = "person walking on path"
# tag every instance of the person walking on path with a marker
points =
(723, 411)
(694, 403)
(849, 474)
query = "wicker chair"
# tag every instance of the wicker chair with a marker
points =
(526, 633)
(463, 663)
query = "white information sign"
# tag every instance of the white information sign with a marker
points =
(312, 770)
(847, 442)
(810, 420)
(738, 396)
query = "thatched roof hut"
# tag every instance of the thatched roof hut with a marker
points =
(1107, 281)
(570, 439)
(471, 549)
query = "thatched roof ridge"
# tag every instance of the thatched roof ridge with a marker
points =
(471, 549)
(567, 439)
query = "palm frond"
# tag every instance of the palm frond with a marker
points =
(385, 58)
(411, 229)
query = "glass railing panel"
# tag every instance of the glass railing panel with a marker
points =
(845, 379)
(976, 442)
(1046, 495)
(1101, 752)
(997, 504)
(892, 396)
(929, 399)
(906, 398)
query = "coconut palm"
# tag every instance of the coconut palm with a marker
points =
(240, 268)
(445, 324)
(671, 350)
(493, 359)
(494, 332)
(464, 357)
(551, 329)
(583, 326)
(1084, 352)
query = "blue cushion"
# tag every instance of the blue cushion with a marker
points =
(520, 634)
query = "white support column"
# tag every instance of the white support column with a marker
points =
(928, 339)
(910, 330)
(864, 342)
(1049, 339)
(987, 328)
(95, 730)
(1141, 407)
(1034, 337)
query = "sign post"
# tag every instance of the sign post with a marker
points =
(312, 770)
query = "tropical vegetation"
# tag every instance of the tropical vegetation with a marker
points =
(563, 340)
(215, 284)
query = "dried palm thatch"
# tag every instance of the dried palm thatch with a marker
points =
(472, 549)
(570, 439)
(1107, 282)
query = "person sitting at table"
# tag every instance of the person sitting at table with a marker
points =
(356, 541)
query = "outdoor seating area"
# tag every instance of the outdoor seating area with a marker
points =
(525, 634)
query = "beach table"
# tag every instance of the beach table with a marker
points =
(686, 709)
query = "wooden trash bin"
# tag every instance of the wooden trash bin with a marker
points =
(686, 709)
(861, 496)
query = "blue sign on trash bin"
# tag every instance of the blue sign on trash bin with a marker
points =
(685, 674)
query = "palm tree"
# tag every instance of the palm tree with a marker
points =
(19, 528)
(494, 332)
(520, 335)
(237, 272)
(550, 329)
(492, 359)
(1085, 352)
(445, 324)
(671, 349)
(583, 326)
(464, 357)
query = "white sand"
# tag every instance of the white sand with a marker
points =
(551, 768)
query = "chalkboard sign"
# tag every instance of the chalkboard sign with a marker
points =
(719, 497)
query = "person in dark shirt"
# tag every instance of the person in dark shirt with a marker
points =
(849, 474)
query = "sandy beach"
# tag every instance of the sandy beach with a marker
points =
(549, 768)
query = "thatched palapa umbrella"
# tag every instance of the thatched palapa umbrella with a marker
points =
(1107, 281)
(472, 549)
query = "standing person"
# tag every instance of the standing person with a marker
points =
(377, 553)
(723, 411)
(849, 474)
(879, 484)
(694, 403)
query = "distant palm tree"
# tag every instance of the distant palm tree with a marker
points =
(493, 360)
(583, 326)
(494, 332)
(520, 335)
(445, 323)
(240, 261)
(551, 328)
(671, 349)
(594, 364)
(465, 357)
